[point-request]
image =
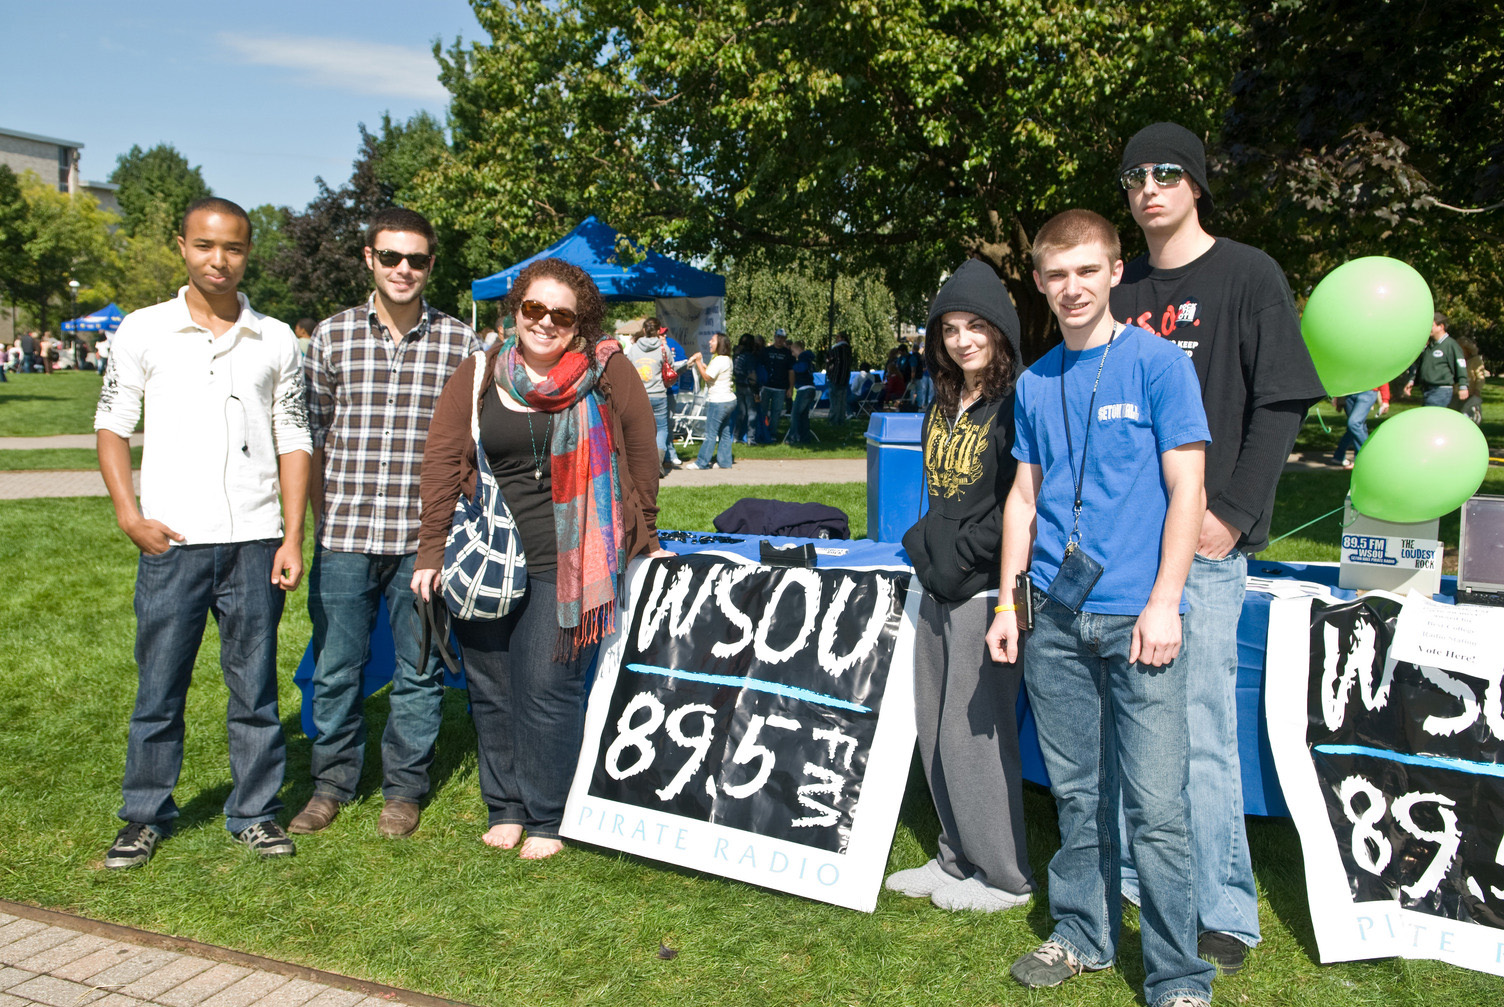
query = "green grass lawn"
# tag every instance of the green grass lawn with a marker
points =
(55, 459)
(443, 914)
(40, 405)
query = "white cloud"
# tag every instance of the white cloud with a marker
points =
(345, 64)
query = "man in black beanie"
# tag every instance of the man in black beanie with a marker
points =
(1229, 307)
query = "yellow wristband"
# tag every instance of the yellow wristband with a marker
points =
(1005, 608)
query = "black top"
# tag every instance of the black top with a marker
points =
(514, 454)
(1232, 313)
(838, 364)
(804, 370)
(968, 467)
(778, 361)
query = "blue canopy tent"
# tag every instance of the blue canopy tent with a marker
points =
(689, 301)
(592, 247)
(106, 319)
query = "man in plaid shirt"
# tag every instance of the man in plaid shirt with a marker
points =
(374, 373)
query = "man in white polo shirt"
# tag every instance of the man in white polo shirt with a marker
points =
(227, 431)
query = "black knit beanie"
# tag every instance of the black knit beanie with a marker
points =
(1170, 143)
(975, 287)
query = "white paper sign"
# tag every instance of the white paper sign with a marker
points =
(1464, 638)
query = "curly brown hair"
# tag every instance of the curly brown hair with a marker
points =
(590, 306)
(997, 377)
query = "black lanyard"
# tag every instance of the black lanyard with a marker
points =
(1070, 452)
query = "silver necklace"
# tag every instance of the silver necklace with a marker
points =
(532, 443)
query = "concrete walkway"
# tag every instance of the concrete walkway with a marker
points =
(50, 959)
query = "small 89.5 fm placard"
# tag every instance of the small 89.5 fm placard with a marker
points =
(754, 722)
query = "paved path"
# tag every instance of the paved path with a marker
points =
(50, 959)
(59, 441)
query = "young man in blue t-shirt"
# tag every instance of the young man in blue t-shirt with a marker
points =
(1111, 438)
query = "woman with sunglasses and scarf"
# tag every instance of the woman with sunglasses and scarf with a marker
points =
(557, 401)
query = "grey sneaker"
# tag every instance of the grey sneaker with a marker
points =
(1188, 1002)
(267, 839)
(978, 895)
(1050, 964)
(133, 846)
(920, 882)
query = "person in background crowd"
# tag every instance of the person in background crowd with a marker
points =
(777, 362)
(1227, 305)
(679, 361)
(965, 701)
(1471, 405)
(649, 355)
(374, 372)
(720, 404)
(570, 436)
(102, 352)
(228, 435)
(1441, 366)
(47, 352)
(895, 382)
(29, 346)
(1356, 406)
(805, 395)
(838, 377)
(304, 331)
(744, 373)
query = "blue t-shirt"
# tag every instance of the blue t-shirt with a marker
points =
(1148, 402)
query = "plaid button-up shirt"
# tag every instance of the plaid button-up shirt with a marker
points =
(370, 398)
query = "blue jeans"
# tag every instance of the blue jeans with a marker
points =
(344, 592)
(838, 392)
(748, 414)
(660, 421)
(772, 412)
(1357, 407)
(529, 711)
(718, 417)
(804, 401)
(1108, 727)
(1440, 395)
(175, 593)
(1226, 899)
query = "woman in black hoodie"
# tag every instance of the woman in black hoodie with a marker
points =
(964, 701)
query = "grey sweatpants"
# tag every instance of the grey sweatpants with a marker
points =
(968, 741)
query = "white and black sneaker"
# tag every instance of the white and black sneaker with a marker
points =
(133, 846)
(267, 839)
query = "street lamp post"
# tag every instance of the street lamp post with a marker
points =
(73, 309)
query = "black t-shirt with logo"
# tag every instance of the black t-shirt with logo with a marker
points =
(1232, 313)
(778, 361)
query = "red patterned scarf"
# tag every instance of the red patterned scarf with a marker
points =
(586, 488)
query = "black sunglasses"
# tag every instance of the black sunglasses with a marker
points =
(1164, 174)
(418, 260)
(535, 311)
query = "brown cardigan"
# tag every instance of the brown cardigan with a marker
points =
(449, 457)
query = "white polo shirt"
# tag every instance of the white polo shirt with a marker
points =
(219, 410)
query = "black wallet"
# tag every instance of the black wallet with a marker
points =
(1078, 575)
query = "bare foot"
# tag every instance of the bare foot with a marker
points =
(539, 849)
(502, 836)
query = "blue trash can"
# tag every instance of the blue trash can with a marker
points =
(895, 475)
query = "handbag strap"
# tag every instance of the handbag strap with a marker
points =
(480, 378)
(435, 616)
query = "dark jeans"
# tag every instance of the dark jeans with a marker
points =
(772, 412)
(529, 711)
(838, 393)
(748, 414)
(344, 592)
(175, 593)
(804, 403)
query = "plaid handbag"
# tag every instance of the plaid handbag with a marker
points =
(485, 569)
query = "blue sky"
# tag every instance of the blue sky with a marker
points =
(264, 96)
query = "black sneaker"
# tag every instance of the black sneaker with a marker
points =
(133, 847)
(1222, 950)
(267, 839)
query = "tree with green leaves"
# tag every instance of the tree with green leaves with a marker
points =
(901, 135)
(762, 296)
(63, 238)
(156, 187)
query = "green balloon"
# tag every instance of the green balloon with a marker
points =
(1366, 321)
(1419, 465)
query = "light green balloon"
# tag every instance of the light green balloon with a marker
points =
(1366, 321)
(1419, 465)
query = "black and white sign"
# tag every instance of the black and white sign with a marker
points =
(753, 722)
(1394, 774)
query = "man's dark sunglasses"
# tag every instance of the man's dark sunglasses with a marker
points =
(418, 260)
(534, 311)
(1164, 174)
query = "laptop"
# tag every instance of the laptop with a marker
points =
(1480, 552)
